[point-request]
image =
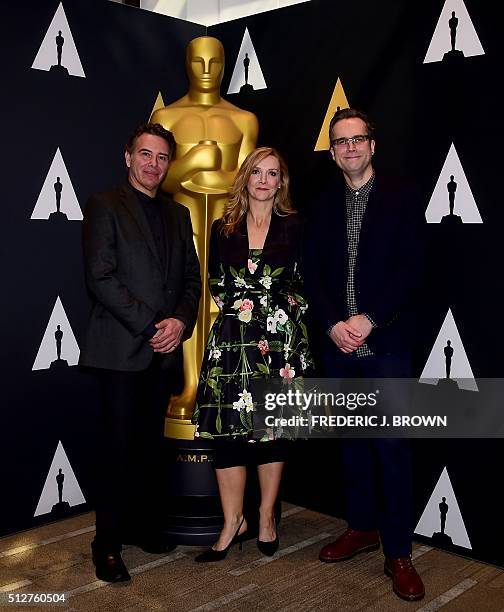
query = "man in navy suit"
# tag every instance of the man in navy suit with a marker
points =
(364, 261)
(143, 278)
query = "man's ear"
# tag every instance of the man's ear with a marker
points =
(127, 157)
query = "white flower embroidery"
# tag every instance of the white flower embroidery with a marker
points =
(264, 301)
(302, 359)
(246, 396)
(237, 304)
(196, 432)
(271, 324)
(215, 353)
(280, 316)
(240, 282)
(265, 281)
(245, 315)
(244, 401)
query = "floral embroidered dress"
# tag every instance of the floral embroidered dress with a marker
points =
(259, 331)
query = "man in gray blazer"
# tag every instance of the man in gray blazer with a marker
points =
(143, 278)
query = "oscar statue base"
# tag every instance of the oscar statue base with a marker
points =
(194, 514)
(181, 429)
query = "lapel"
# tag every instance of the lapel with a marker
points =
(134, 207)
(275, 233)
(373, 219)
(335, 219)
(238, 247)
(169, 230)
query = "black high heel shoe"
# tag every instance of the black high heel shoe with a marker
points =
(218, 555)
(269, 548)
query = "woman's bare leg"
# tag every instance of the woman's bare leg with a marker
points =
(231, 489)
(270, 475)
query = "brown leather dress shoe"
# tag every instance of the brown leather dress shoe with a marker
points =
(350, 544)
(110, 567)
(406, 582)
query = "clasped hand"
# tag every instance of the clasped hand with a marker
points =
(350, 334)
(168, 336)
(204, 156)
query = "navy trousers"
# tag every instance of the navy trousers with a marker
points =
(376, 472)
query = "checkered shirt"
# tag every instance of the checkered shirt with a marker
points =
(356, 202)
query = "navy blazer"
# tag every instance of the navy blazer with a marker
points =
(128, 285)
(389, 266)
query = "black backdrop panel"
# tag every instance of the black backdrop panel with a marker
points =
(377, 51)
(128, 56)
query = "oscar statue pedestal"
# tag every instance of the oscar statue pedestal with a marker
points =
(194, 515)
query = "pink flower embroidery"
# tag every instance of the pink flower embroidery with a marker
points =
(252, 267)
(247, 305)
(287, 372)
(263, 346)
(292, 300)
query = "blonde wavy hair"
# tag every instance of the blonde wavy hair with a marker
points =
(237, 206)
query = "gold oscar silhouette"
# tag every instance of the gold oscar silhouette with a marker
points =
(213, 138)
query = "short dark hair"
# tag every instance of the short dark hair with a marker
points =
(155, 129)
(351, 113)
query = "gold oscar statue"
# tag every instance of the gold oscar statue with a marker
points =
(213, 138)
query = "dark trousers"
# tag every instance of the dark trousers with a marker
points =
(131, 492)
(376, 472)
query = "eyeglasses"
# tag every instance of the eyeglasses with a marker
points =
(343, 142)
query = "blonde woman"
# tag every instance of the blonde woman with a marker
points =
(255, 279)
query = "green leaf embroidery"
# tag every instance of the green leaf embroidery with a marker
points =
(243, 419)
(206, 435)
(276, 346)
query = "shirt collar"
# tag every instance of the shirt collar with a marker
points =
(143, 197)
(364, 190)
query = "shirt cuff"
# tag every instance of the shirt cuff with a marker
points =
(330, 328)
(368, 317)
(150, 331)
